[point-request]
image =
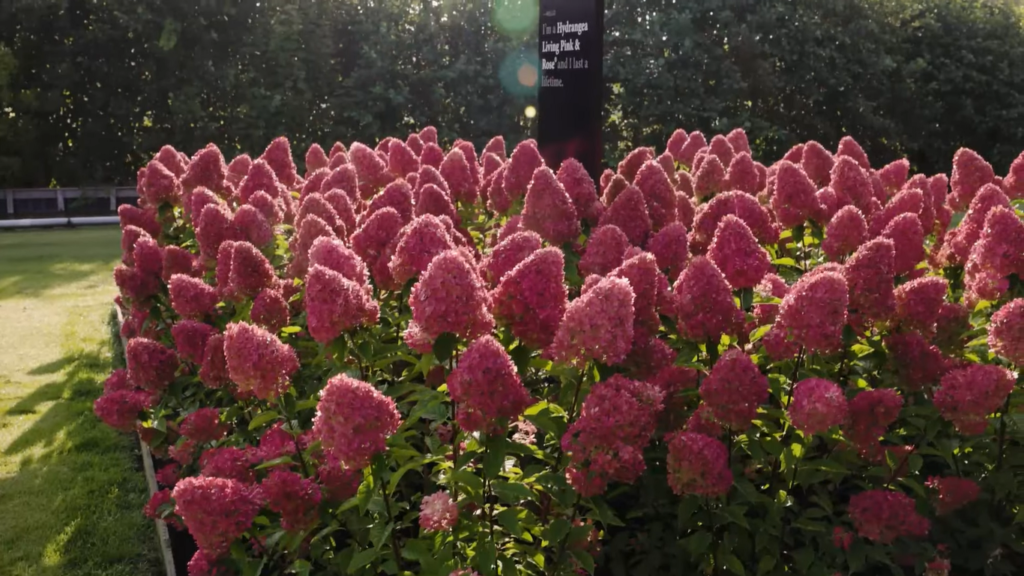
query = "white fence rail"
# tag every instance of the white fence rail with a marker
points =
(36, 207)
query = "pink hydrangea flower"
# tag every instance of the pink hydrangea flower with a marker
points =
(704, 305)
(242, 271)
(237, 169)
(671, 249)
(794, 200)
(869, 274)
(215, 227)
(961, 239)
(136, 285)
(292, 496)
(918, 303)
(177, 261)
(338, 483)
(190, 339)
(817, 406)
(278, 156)
(316, 159)
(531, 298)
(120, 409)
(970, 173)
(525, 160)
(702, 421)
(907, 236)
(332, 254)
(270, 209)
(371, 170)
(432, 155)
(998, 254)
(486, 388)
(216, 511)
(214, 371)
(509, 253)
(894, 174)
(548, 210)
(252, 226)
(659, 196)
(336, 304)
(628, 212)
(438, 512)
(605, 444)
(353, 420)
(160, 186)
(495, 146)
(871, 412)
(694, 143)
(709, 179)
(611, 191)
(270, 310)
(580, 188)
(846, 232)
(597, 326)
(734, 389)
(953, 492)
(260, 178)
(1006, 332)
(144, 219)
(631, 164)
(967, 396)
(814, 311)
(203, 425)
(257, 360)
(343, 178)
(720, 147)
(817, 163)
(457, 171)
(371, 240)
(1013, 184)
(450, 297)
(735, 252)
(698, 464)
(650, 287)
(850, 148)
(742, 205)
(228, 462)
(604, 251)
(418, 244)
(851, 184)
(917, 364)
(206, 169)
(742, 174)
(794, 154)
(402, 160)
(151, 365)
(882, 516)
(676, 142)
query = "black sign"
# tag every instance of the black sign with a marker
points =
(571, 51)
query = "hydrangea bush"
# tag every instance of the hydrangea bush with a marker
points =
(419, 360)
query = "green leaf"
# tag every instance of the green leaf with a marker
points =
(766, 564)
(379, 533)
(486, 555)
(307, 404)
(363, 558)
(275, 462)
(512, 492)
(300, 567)
(521, 358)
(698, 543)
(509, 518)
(444, 346)
(585, 560)
(736, 514)
(558, 530)
(263, 418)
(730, 561)
(604, 512)
(494, 458)
(291, 329)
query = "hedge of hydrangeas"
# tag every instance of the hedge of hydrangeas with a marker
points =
(419, 360)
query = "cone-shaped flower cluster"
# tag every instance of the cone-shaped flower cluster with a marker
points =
(353, 420)
(817, 405)
(449, 297)
(597, 326)
(883, 516)
(216, 511)
(531, 298)
(698, 464)
(968, 395)
(734, 389)
(486, 388)
(258, 361)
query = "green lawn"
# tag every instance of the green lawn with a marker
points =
(71, 489)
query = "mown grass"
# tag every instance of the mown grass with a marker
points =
(71, 489)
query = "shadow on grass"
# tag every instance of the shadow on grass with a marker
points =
(36, 261)
(74, 504)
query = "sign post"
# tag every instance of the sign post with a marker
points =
(571, 88)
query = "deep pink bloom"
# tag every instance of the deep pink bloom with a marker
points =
(338, 483)
(252, 226)
(489, 164)
(214, 371)
(894, 174)
(278, 156)
(720, 147)
(649, 288)
(397, 195)
(228, 462)
(970, 173)
(260, 178)
(794, 200)
(702, 421)
(629, 213)
(201, 198)
(270, 310)
(882, 516)
(457, 171)
(1006, 332)
(214, 228)
(1013, 184)
(316, 159)
(216, 511)
(202, 564)
(817, 163)
(190, 339)
(151, 365)
(486, 388)
(450, 297)
(907, 236)
(871, 412)
(604, 251)
(136, 285)
(191, 297)
(508, 253)
(371, 170)
(951, 322)
(953, 492)
(869, 274)
(549, 211)
(659, 196)
(917, 364)
(525, 160)
(237, 169)
(845, 233)
(438, 512)
(270, 209)
(353, 420)
(117, 382)
(817, 405)
(910, 201)
(698, 464)
(745, 206)
(159, 186)
(177, 261)
(495, 146)
(671, 248)
(167, 475)
(531, 298)
(735, 252)
(317, 205)
(258, 361)
(343, 178)
(372, 239)
(734, 389)
(292, 496)
(998, 254)
(242, 271)
(850, 148)
(580, 188)
(814, 311)
(332, 254)
(615, 187)
(418, 244)
(851, 184)
(203, 425)
(737, 138)
(709, 179)
(206, 169)
(336, 304)
(144, 219)
(960, 240)
(428, 135)
(694, 143)
(597, 326)
(120, 409)
(432, 155)
(605, 444)
(967, 396)
(794, 154)
(742, 174)
(157, 501)
(828, 204)
(918, 303)
(704, 305)
(631, 164)
(842, 538)
(402, 161)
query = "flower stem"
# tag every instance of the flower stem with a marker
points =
(565, 539)
(1002, 433)
(391, 519)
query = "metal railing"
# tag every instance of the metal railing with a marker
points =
(35, 207)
